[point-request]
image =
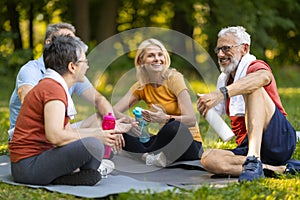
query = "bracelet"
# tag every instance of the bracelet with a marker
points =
(224, 92)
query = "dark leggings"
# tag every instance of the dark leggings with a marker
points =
(174, 140)
(42, 169)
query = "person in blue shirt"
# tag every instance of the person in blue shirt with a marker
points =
(33, 71)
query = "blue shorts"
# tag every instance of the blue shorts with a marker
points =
(278, 141)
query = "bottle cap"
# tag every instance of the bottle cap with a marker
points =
(137, 111)
(109, 117)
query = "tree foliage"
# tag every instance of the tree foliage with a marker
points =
(273, 25)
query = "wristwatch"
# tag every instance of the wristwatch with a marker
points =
(224, 92)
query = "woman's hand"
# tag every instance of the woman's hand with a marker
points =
(108, 137)
(119, 143)
(122, 126)
(157, 115)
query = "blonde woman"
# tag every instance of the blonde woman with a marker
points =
(169, 104)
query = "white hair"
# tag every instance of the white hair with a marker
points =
(239, 32)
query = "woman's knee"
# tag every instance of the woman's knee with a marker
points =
(174, 127)
(94, 146)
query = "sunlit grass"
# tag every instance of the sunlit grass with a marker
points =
(269, 188)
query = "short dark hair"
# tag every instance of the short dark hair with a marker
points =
(54, 28)
(61, 51)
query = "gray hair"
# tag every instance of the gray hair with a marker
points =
(62, 50)
(54, 28)
(239, 32)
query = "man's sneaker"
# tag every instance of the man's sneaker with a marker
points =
(292, 167)
(83, 177)
(252, 169)
(158, 160)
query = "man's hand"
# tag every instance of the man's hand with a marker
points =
(122, 126)
(207, 101)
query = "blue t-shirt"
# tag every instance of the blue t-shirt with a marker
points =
(30, 74)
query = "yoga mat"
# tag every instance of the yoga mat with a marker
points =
(131, 174)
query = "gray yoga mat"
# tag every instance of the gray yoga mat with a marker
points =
(131, 174)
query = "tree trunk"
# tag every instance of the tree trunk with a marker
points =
(180, 23)
(106, 25)
(13, 16)
(31, 25)
(81, 21)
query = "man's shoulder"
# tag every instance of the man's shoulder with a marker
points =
(257, 65)
(32, 66)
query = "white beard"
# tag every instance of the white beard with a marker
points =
(231, 67)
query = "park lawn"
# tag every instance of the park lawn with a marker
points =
(281, 187)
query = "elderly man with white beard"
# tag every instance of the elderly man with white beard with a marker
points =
(247, 93)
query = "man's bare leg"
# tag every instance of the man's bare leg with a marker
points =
(259, 111)
(219, 161)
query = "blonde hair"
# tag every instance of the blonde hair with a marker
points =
(140, 73)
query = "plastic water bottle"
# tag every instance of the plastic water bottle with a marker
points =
(144, 134)
(219, 125)
(108, 123)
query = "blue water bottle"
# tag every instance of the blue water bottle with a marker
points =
(144, 135)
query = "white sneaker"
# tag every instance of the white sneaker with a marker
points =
(158, 160)
(106, 167)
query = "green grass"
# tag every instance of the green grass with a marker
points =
(281, 187)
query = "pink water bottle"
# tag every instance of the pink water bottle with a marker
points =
(108, 123)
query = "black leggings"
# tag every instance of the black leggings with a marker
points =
(174, 139)
(42, 169)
